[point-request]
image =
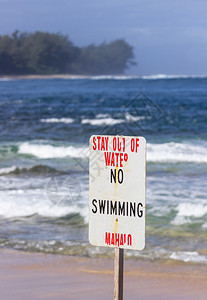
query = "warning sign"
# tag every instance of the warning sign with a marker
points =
(117, 174)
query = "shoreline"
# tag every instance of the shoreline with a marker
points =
(55, 76)
(67, 76)
(81, 76)
(47, 276)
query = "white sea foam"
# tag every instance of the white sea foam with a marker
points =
(49, 151)
(113, 77)
(105, 119)
(150, 77)
(166, 152)
(177, 152)
(189, 256)
(7, 170)
(22, 203)
(204, 226)
(165, 76)
(56, 120)
(188, 210)
(161, 253)
(102, 121)
(100, 116)
(131, 118)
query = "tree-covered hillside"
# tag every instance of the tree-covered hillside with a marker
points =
(49, 53)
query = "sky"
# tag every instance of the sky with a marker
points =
(168, 36)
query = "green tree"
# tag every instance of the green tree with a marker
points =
(38, 53)
(112, 58)
(11, 59)
(50, 53)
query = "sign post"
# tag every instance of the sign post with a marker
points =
(118, 273)
(117, 176)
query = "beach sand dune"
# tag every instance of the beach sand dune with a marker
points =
(44, 276)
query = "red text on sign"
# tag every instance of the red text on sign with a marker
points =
(100, 143)
(119, 144)
(134, 144)
(118, 239)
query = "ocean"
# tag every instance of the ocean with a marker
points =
(45, 126)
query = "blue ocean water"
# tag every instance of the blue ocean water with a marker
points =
(45, 125)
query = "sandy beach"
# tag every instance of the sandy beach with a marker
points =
(44, 276)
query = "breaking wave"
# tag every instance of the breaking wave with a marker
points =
(150, 77)
(165, 76)
(177, 152)
(185, 152)
(25, 203)
(56, 120)
(49, 151)
(105, 119)
(186, 211)
(34, 170)
(102, 121)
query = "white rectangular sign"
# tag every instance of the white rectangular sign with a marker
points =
(117, 175)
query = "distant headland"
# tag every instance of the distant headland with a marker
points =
(43, 53)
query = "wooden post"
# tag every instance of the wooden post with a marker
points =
(118, 273)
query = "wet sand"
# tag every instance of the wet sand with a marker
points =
(44, 276)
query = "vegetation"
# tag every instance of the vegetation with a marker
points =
(48, 53)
